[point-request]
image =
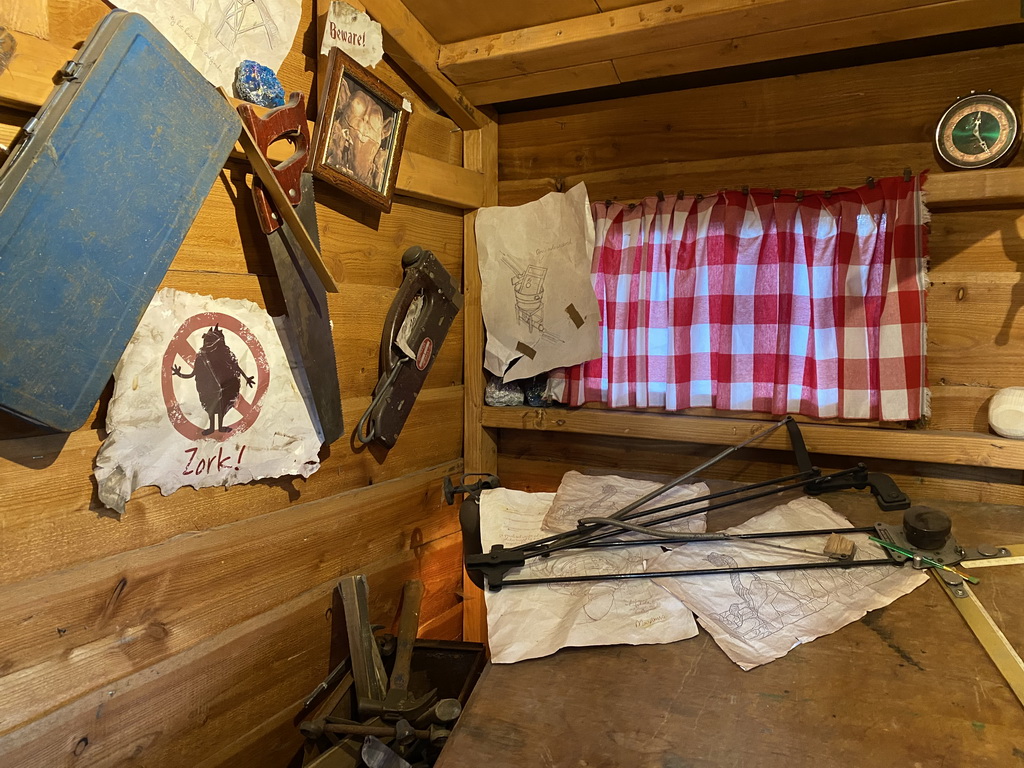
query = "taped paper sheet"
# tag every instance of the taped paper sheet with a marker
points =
(354, 32)
(759, 617)
(216, 37)
(537, 297)
(532, 621)
(205, 394)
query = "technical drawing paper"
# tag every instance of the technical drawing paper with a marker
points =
(759, 617)
(217, 36)
(582, 495)
(537, 297)
(536, 620)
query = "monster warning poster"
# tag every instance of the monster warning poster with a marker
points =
(205, 394)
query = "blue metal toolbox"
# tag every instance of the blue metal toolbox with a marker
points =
(95, 199)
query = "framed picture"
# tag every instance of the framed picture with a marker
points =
(360, 128)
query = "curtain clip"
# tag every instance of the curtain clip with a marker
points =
(906, 174)
(607, 203)
(871, 182)
(681, 194)
(800, 196)
(828, 194)
(700, 196)
(661, 196)
(776, 194)
(559, 185)
(746, 190)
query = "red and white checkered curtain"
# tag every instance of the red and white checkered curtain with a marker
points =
(757, 301)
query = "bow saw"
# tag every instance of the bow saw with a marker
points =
(924, 539)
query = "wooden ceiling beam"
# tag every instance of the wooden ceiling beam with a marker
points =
(648, 28)
(416, 52)
(891, 27)
(580, 78)
(657, 39)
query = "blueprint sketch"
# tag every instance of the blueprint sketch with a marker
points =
(217, 35)
(532, 621)
(582, 495)
(758, 617)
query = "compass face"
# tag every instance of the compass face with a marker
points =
(978, 131)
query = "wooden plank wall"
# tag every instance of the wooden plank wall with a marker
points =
(817, 130)
(188, 632)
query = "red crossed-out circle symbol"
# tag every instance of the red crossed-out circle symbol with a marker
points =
(179, 346)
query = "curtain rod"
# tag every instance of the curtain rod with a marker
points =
(776, 193)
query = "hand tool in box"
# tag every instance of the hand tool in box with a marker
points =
(416, 326)
(96, 197)
(305, 297)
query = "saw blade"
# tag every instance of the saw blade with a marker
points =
(308, 314)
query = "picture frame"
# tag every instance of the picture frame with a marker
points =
(359, 132)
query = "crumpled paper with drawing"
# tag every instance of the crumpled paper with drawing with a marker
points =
(582, 495)
(537, 297)
(759, 617)
(532, 621)
(216, 37)
(159, 421)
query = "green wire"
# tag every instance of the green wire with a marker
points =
(925, 560)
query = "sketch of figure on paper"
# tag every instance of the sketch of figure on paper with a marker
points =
(564, 517)
(769, 602)
(243, 16)
(528, 287)
(598, 597)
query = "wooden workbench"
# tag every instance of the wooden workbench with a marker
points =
(907, 685)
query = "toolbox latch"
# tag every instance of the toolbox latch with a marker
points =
(70, 70)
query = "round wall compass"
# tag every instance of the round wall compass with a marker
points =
(980, 130)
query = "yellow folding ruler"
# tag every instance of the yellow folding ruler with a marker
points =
(978, 619)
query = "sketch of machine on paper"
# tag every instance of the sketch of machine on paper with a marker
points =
(565, 517)
(242, 17)
(528, 286)
(598, 596)
(771, 601)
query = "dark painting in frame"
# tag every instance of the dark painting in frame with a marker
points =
(360, 129)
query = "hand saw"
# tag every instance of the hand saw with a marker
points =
(304, 295)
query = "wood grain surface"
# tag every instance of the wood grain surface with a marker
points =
(905, 685)
(174, 635)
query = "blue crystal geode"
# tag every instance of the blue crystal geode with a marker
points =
(258, 84)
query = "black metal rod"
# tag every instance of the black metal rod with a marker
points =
(724, 537)
(695, 572)
(587, 533)
(621, 513)
(671, 518)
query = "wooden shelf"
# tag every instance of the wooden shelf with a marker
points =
(999, 187)
(937, 447)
